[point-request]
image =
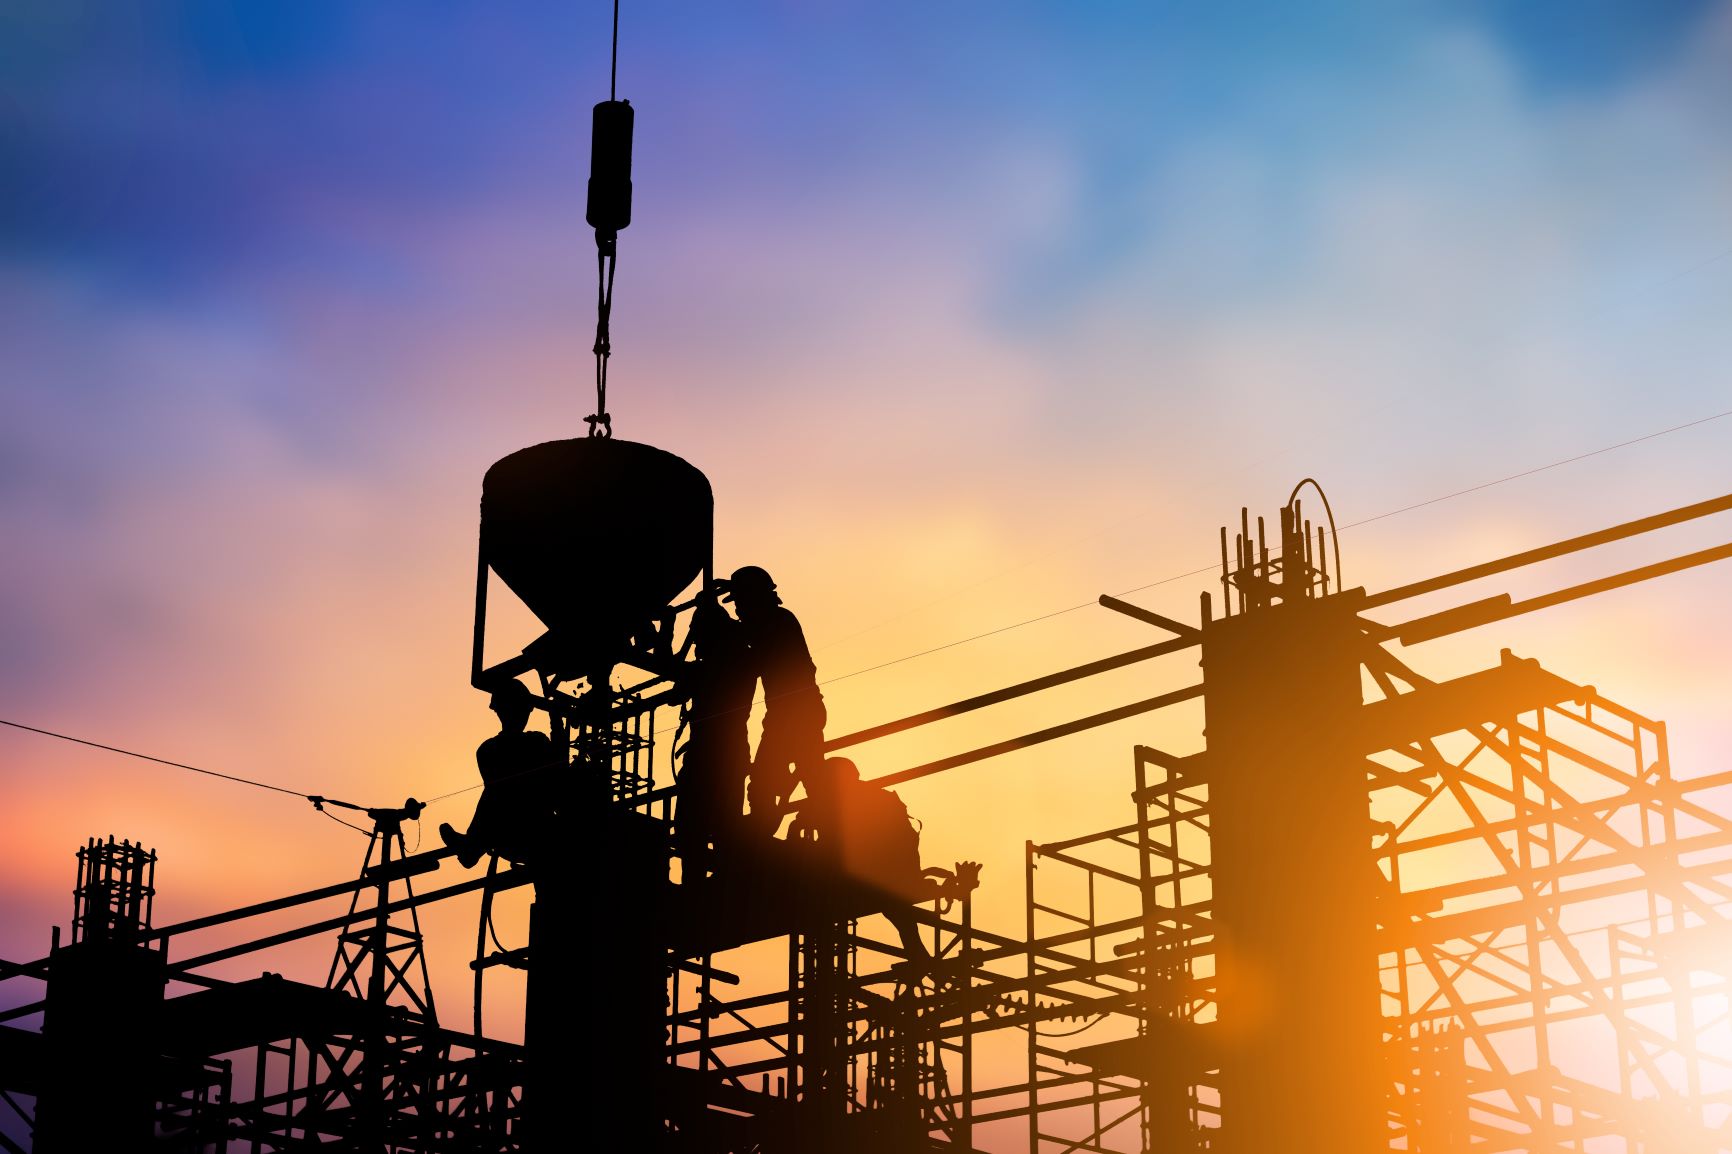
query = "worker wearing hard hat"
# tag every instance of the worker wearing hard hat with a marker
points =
(793, 738)
(864, 832)
(518, 768)
(718, 752)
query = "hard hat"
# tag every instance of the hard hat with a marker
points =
(511, 692)
(748, 579)
(841, 768)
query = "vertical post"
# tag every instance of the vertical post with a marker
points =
(597, 983)
(1165, 1114)
(1033, 1035)
(965, 964)
(478, 643)
(824, 1025)
(104, 1001)
(540, 1030)
(373, 1111)
(1294, 883)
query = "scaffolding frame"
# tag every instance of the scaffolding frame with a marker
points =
(1555, 940)
(858, 1046)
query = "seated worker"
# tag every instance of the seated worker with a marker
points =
(718, 752)
(863, 831)
(793, 708)
(518, 767)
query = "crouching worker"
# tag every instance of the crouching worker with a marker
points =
(864, 831)
(518, 769)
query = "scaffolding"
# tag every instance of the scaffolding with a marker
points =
(1480, 912)
(858, 1049)
(1548, 920)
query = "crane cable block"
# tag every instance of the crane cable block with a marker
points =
(608, 212)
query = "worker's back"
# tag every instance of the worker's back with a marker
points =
(724, 677)
(878, 841)
(521, 771)
(781, 655)
(509, 757)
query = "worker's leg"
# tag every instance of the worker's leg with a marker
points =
(712, 788)
(694, 815)
(787, 742)
(483, 829)
(806, 735)
(771, 781)
(901, 916)
(728, 816)
(799, 728)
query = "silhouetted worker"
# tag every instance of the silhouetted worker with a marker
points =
(793, 708)
(864, 831)
(718, 751)
(518, 767)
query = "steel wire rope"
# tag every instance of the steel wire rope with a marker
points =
(350, 824)
(234, 777)
(1094, 1020)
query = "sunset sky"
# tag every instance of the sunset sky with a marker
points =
(970, 312)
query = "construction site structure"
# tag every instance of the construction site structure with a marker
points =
(1372, 911)
(1479, 913)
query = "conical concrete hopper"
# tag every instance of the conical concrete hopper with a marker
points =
(595, 535)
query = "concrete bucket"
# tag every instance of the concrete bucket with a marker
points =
(595, 535)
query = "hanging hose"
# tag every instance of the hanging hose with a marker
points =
(1334, 536)
(482, 929)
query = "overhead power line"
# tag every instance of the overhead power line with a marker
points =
(1482, 486)
(234, 777)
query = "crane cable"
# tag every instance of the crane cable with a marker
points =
(601, 421)
(609, 210)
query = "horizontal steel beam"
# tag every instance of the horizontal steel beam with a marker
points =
(1053, 733)
(510, 879)
(1501, 608)
(1547, 552)
(413, 865)
(1009, 693)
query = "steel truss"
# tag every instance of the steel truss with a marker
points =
(1553, 927)
(1554, 938)
(1546, 920)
